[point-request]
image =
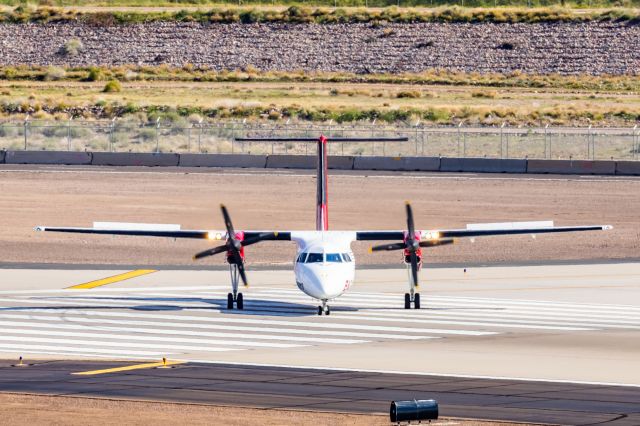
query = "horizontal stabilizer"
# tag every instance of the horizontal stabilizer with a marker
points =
(136, 226)
(510, 225)
(371, 139)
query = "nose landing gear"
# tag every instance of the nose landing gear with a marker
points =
(234, 297)
(412, 298)
(324, 308)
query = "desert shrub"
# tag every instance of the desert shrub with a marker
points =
(488, 94)
(95, 74)
(425, 44)
(72, 47)
(55, 73)
(147, 134)
(112, 86)
(408, 94)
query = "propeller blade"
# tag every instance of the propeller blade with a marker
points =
(243, 275)
(410, 225)
(433, 243)
(388, 247)
(260, 237)
(227, 222)
(414, 267)
(210, 252)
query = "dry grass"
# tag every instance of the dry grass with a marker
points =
(341, 102)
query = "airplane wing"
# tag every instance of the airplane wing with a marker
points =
(481, 230)
(162, 230)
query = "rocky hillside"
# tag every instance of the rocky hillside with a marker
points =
(565, 48)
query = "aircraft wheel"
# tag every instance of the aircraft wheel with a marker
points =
(319, 310)
(230, 301)
(328, 311)
(416, 301)
(240, 301)
(407, 301)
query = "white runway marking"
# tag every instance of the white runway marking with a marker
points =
(192, 321)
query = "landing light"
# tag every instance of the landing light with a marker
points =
(214, 236)
(431, 235)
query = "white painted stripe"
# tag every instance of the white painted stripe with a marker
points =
(327, 324)
(158, 341)
(505, 319)
(168, 331)
(68, 317)
(505, 324)
(81, 353)
(20, 346)
(117, 290)
(460, 332)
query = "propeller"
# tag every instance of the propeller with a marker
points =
(411, 244)
(233, 245)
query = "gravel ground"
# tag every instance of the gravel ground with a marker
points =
(59, 196)
(565, 48)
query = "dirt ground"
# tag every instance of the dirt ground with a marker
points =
(59, 196)
(45, 410)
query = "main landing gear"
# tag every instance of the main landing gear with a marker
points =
(324, 308)
(234, 297)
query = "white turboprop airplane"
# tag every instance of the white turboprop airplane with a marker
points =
(325, 265)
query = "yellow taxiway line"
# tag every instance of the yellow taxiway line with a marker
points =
(113, 279)
(129, 368)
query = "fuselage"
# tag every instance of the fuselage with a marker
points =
(324, 266)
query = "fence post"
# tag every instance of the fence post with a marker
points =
(459, 126)
(112, 135)
(545, 140)
(69, 133)
(26, 131)
(501, 139)
(158, 135)
(635, 142)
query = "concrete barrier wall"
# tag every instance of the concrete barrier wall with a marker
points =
(572, 167)
(483, 165)
(308, 162)
(134, 159)
(445, 164)
(223, 160)
(628, 168)
(425, 164)
(48, 157)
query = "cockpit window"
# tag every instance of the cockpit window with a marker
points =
(334, 257)
(346, 257)
(314, 258)
(301, 257)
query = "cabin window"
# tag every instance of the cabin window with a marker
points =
(314, 258)
(334, 257)
(346, 257)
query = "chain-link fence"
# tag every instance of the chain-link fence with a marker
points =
(219, 137)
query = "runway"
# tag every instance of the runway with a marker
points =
(331, 390)
(552, 343)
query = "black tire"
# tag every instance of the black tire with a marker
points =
(319, 310)
(240, 301)
(407, 301)
(328, 312)
(230, 301)
(416, 301)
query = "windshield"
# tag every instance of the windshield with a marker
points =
(334, 257)
(301, 257)
(314, 258)
(346, 257)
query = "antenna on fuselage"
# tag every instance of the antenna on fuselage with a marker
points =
(322, 210)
